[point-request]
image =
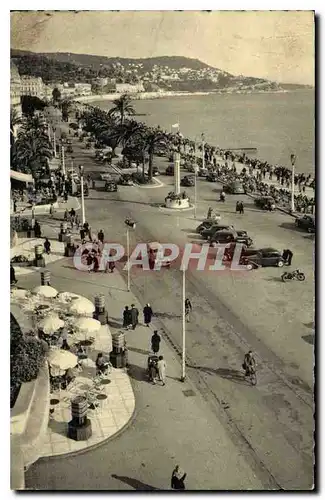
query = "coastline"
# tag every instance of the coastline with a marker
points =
(162, 95)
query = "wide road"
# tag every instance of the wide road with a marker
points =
(233, 311)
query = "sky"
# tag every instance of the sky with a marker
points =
(277, 45)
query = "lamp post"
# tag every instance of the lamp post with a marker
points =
(195, 190)
(293, 161)
(83, 218)
(183, 330)
(63, 161)
(203, 152)
(130, 224)
(54, 142)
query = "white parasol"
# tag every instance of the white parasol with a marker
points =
(68, 297)
(88, 325)
(45, 291)
(62, 359)
(19, 293)
(82, 306)
(51, 323)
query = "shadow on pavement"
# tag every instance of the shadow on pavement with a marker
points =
(310, 339)
(291, 226)
(165, 315)
(139, 351)
(135, 483)
(228, 373)
(58, 427)
(115, 324)
(309, 325)
(275, 278)
(138, 373)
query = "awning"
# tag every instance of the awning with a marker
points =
(19, 176)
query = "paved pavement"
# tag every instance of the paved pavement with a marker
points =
(232, 313)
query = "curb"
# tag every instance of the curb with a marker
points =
(176, 210)
(159, 184)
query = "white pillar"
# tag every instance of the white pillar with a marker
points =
(177, 173)
(49, 131)
(63, 161)
(54, 144)
(195, 190)
(83, 218)
(183, 330)
(203, 155)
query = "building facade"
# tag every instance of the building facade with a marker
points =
(33, 86)
(15, 88)
(127, 88)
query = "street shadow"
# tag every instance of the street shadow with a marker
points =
(115, 323)
(227, 373)
(165, 315)
(310, 339)
(291, 226)
(139, 351)
(276, 279)
(309, 325)
(58, 427)
(138, 373)
(135, 483)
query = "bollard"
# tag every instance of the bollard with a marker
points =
(118, 356)
(39, 259)
(79, 428)
(45, 278)
(118, 342)
(100, 303)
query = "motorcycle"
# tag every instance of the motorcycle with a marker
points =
(222, 197)
(294, 275)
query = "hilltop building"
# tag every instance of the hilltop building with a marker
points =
(15, 88)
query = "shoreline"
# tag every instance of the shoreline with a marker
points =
(161, 95)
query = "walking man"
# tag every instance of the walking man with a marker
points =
(100, 236)
(147, 315)
(188, 309)
(134, 316)
(178, 478)
(162, 370)
(290, 255)
(155, 342)
(126, 317)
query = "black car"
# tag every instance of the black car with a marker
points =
(212, 177)
(170, 170)
(306, 222)
(264, 257)
(125, 180)
(206, 224)
(110, 186)
(187, 181)
(224, 237)
(235, 187)
(265, 203)
(208, 233)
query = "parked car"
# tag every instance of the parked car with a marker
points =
(307, 223)
(240, 232)
(235, 187)
(223, 237)
(265, 203)
(105, 176)
(202, 172)
(170, 170)
(190, 167)
(125, 180)
(212, 177)
(264, 257)
(207, 223)
(155, 171)
(110, 186)
(209, 232)
(187, 181)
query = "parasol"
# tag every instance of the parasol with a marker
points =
(88, 325)
(51, 324)
(45, 291)
(19, 293)
(62, 359)
(82, 306)
(68, 296)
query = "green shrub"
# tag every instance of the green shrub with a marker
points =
(26, 359)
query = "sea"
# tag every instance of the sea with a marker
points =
(276, 124)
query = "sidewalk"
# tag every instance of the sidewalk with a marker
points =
(60, 206)
(173, 421)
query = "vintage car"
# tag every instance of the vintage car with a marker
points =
(212, 177)
(265, 203)
(235, 187)
(125, 180)
(230, 236)
(264, 257)
(110, 186)
(170, 170)
(306, 222)
(187, 181)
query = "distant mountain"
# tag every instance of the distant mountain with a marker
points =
(173, 62)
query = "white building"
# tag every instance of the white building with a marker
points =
(82, 88)
(127, 88)
(15, 88)
(32, 85)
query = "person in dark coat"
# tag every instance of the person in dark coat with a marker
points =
(147, 314)
(290, 255)
(100, 236)
(241, 207)
(37, 229)
(155, 342)
(178, 478)
(12, 275)
(134, 316)
(47, 246)
(126, 317)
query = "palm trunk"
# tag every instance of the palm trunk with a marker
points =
(150, 169)
(143, 166)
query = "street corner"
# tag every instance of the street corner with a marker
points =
(113, 415)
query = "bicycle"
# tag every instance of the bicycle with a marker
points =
(252, 375)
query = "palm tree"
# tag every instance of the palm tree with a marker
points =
(56, 95)
(32, 150)
(122, 108)
(128, 132)
(66, 106)
(153, 139)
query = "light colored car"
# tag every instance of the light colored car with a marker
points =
(105, 176)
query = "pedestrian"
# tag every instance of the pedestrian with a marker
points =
(51, 210)
(134, 316)
(241, 208)
(15, 206)
(155, 342)
(90, 261)
(126, 317)
(188, 309)
(290, 255)
(178, 478)
(147, 314)
(161, 365)
(209, 214)
(237, 206)
(12, 275)
(100, 236)
(47, 246)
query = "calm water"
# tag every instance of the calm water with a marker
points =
(275, 124)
